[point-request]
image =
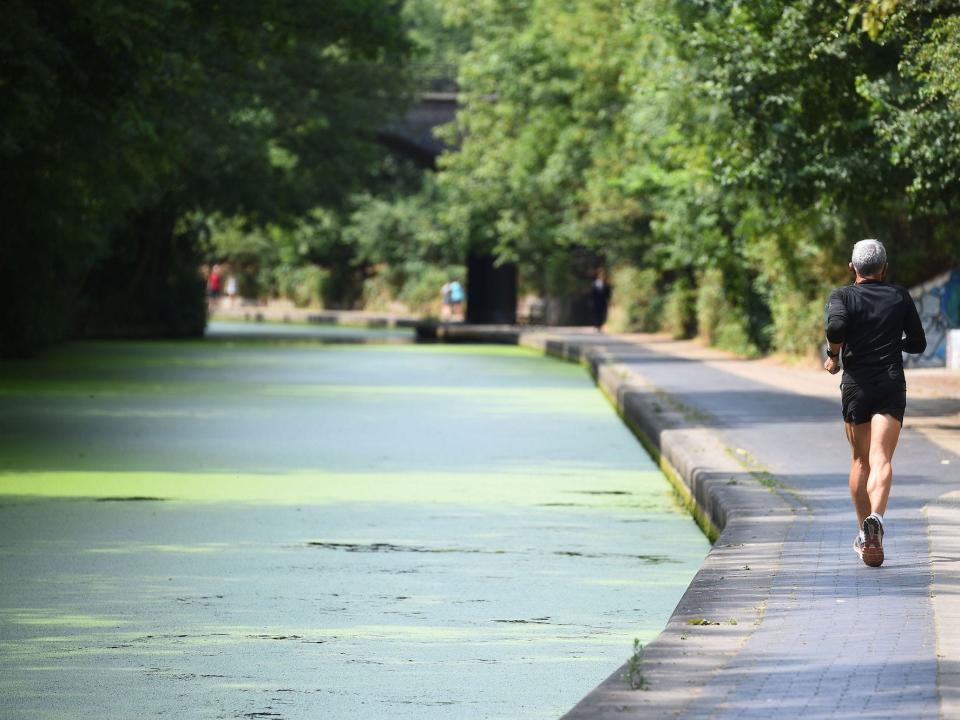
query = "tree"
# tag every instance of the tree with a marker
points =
(757, 138)
(123, 119)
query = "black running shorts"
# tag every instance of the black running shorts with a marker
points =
(862, 401)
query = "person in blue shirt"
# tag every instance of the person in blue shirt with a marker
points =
(456, 299)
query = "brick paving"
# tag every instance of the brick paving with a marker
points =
(831, 638)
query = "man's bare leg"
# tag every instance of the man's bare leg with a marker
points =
(871, 476)
(859, 437)
(885, 432)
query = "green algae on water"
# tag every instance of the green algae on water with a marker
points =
(419, 532)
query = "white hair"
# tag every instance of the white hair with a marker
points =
(869, 257)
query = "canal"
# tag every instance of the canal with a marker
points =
(276, 527)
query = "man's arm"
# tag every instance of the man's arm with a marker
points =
(916, 339)
(836, 320)
(836, 331)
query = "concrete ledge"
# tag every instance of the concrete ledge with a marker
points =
(431, 330)
(351, 318)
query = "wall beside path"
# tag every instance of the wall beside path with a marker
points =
(938, 302)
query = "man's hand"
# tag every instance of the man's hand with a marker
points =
(832, 365)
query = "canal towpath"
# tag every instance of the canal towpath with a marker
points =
(783, 617)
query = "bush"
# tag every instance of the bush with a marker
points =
(719, 322)
(637, 304)
(560, 278)
(679, 310)
(732, 335)
(304, 285)
(712, 305)
(421, 291)
(798, 322)
(796, 275)
(379, 290)
(415, 285)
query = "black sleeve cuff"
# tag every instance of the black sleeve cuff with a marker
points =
(836, 332)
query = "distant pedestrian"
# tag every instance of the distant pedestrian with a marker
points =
(231, 289)
(457, 296)
(214, 287)
(445, 310)
(869, 325)
(600, 299)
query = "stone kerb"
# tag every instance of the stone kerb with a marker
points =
(738, 504)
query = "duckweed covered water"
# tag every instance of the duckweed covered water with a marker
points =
(304, 531)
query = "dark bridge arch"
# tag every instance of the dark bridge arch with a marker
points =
(413, 134)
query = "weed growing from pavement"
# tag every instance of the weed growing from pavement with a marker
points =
(634, 673)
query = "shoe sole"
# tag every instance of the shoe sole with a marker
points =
(873, 547)
(872, 555)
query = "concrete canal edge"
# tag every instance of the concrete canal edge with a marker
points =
(740, 506)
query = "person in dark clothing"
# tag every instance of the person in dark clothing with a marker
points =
(870, 324)
(600, 299)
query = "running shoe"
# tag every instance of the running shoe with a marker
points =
(858, 546)
(872, 554)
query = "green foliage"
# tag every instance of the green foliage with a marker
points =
(724, 155)
(679, 310)
(421, 291)
(873, 15)
(635, 678)
(303, 285)
(637, 303)
(513, 184)
(720, 320)
(712, 305)
(251, 253)
(797, 322)
(437, 43)
(744, 144)
(400, 228)
(120, 117)
(412, 287)
(558, 277)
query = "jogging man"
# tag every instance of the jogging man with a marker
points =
(870, 324)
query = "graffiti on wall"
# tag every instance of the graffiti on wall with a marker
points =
(938, 302)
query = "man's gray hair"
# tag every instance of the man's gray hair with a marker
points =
(869, 257)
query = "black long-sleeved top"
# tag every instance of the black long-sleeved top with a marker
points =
(871, 319)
